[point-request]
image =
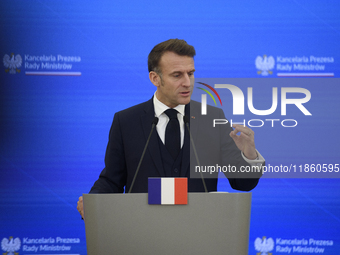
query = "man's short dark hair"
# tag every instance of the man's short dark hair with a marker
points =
(180, 47)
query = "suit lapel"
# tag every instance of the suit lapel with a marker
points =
(186, 147)
(194, 114)
(193, 111)
(153, 146)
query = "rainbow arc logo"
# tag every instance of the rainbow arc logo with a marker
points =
(209, 93)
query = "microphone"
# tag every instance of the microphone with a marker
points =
(154, 123)
(186, 121)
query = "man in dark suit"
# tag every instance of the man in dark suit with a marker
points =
(171, 70)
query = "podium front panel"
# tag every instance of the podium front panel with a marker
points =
(211, 223)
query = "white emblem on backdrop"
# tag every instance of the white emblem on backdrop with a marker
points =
(264, 245)
(264, 65)
(12, 63)
(10, 245)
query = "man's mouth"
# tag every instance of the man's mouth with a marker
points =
(185, 93)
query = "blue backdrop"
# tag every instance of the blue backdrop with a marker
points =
(68, 66)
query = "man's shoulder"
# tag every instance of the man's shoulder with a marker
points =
(195, 108)
(137, 109)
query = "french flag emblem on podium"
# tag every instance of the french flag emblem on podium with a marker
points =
(168, 191)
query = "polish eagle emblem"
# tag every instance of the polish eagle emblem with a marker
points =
(12, 63)
(264, 245)
(264, 65)
(10, 245)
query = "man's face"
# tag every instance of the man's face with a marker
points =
(176, 83)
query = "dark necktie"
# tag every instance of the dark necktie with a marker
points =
(172, 133)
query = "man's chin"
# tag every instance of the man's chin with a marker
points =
(185, 101)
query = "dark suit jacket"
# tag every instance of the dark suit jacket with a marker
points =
(129, 132)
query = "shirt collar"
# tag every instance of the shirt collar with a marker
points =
(160, 107)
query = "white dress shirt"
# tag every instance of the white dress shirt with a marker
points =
(163, 119)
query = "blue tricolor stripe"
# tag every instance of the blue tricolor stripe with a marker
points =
(155, 185)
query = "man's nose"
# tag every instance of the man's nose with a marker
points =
(186, 81)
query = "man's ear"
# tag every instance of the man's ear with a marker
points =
(154, 78)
